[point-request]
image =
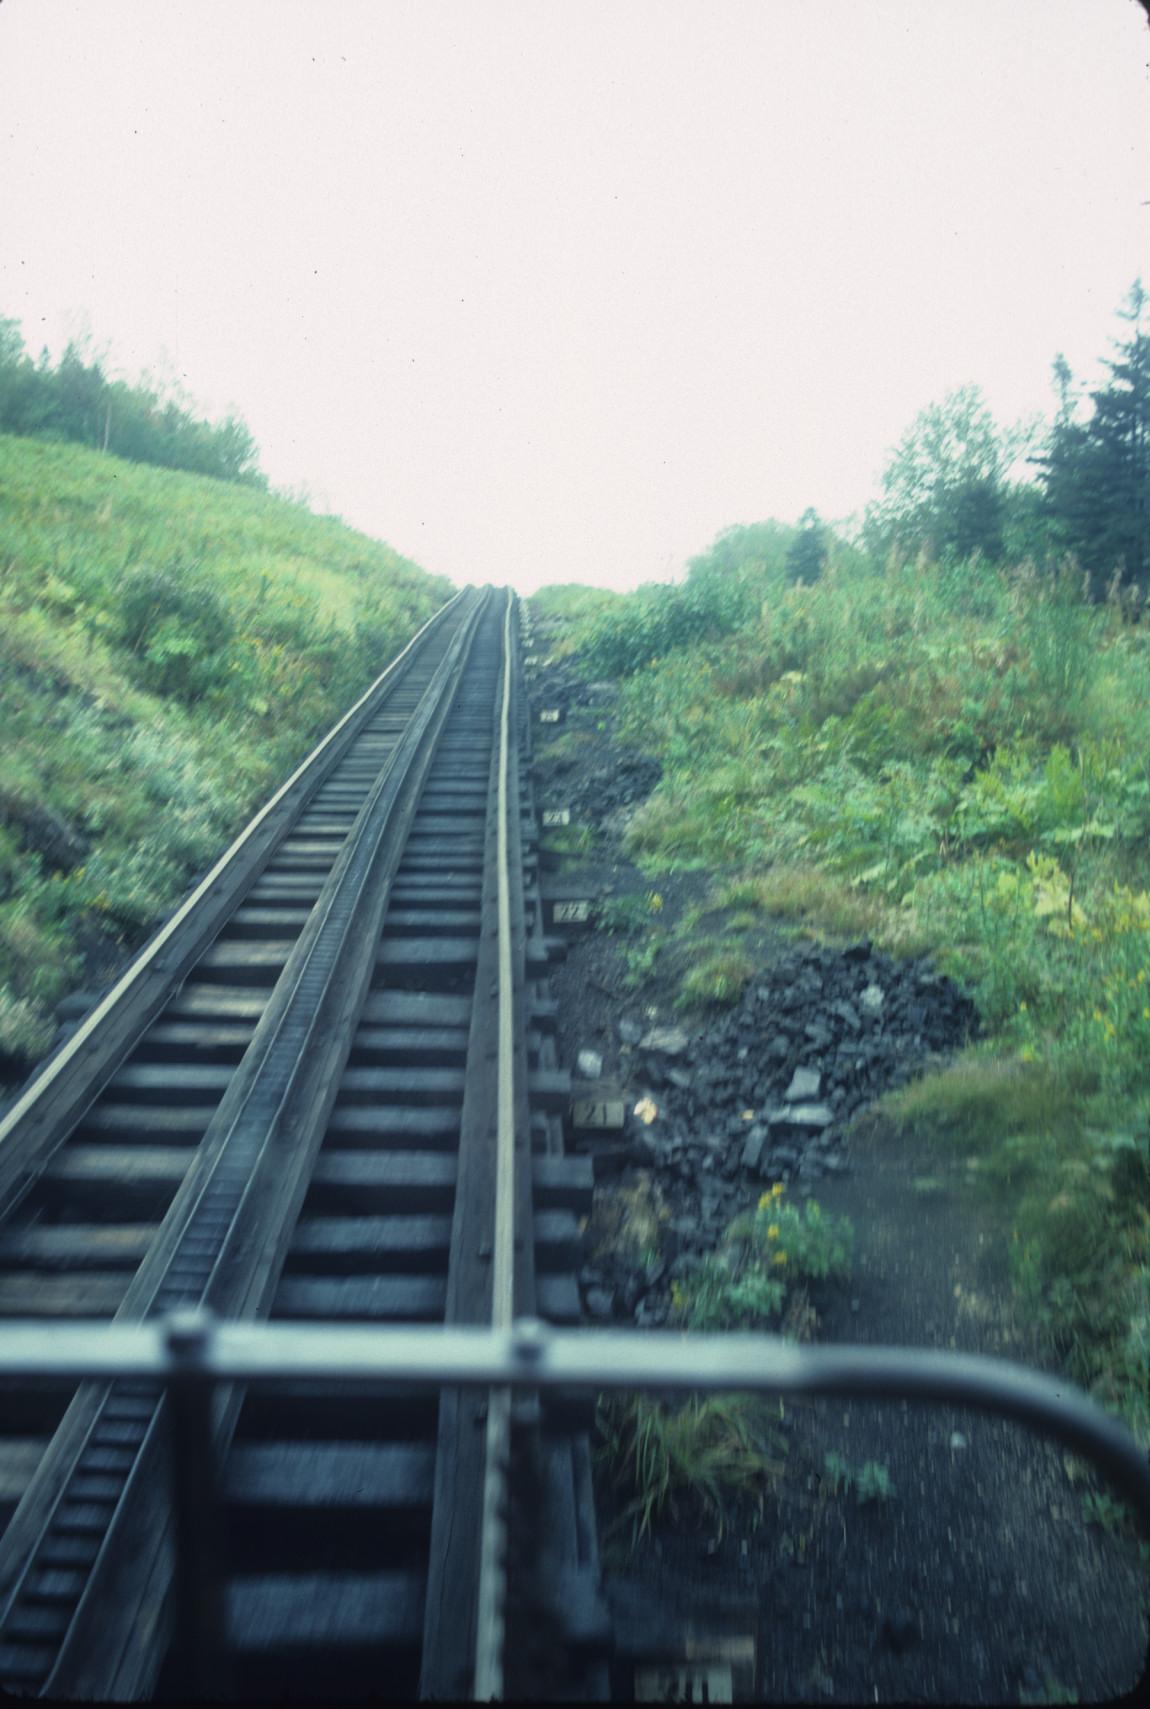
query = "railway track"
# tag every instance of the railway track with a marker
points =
(327, 1092)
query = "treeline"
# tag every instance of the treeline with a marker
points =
(74, 399)
(948, 491)
(957, 488)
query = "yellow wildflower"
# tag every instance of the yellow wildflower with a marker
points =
(779, 1258)
(773, 1231)
(777, 1190)
(764, 1201)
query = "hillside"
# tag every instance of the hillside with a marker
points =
(945, 759)
(170, 646)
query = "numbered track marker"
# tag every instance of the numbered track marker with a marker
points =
(570, 913)
(598, 1112)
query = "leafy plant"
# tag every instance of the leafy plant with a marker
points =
(803, 1239)
(1052, 1691)
(1103, 1510)
(763, 1256)
(640, 961)
(630, 914)
(871, 1481)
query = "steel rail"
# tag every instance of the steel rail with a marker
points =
(530, 1355)
(54, 1100)
(490, 1267)
(492, 1589)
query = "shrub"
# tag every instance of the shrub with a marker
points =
(178, 629)
(25, 1031)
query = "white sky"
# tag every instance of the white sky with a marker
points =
(549, 290)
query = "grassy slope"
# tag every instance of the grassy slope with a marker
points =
(169, 647)
(953, 760)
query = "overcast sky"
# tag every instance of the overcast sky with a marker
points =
(550, 290)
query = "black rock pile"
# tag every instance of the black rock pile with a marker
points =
(828, 1032)
(598, 791)
(765, 1093)
(597, 783)
(594, 789)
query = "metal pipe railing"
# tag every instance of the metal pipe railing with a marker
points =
(189, 1352)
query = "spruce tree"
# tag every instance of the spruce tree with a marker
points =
(807, 552)
(1096, 473)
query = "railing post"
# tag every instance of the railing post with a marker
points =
(201, 1627)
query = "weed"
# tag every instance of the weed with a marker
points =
(628, 915)
(24, 1033)
(753, 1277)
(1103, 1510)
(574, 842)
(639, 960)
(871, 1481)
(804, 1239)
(720, 978)
(837, 1475)
(1051, 1692)
(705, 1451)
(830, 906)
(630, 1222)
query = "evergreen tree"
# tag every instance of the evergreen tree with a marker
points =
(75, 400)
(807, 552)
(1096, 474)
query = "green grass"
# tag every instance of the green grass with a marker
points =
(826, 906)
(718, 980)
(949, 759)
(699, 1456)
(1071, 1166)
(170, 647)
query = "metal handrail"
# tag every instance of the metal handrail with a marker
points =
(189, 1350)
